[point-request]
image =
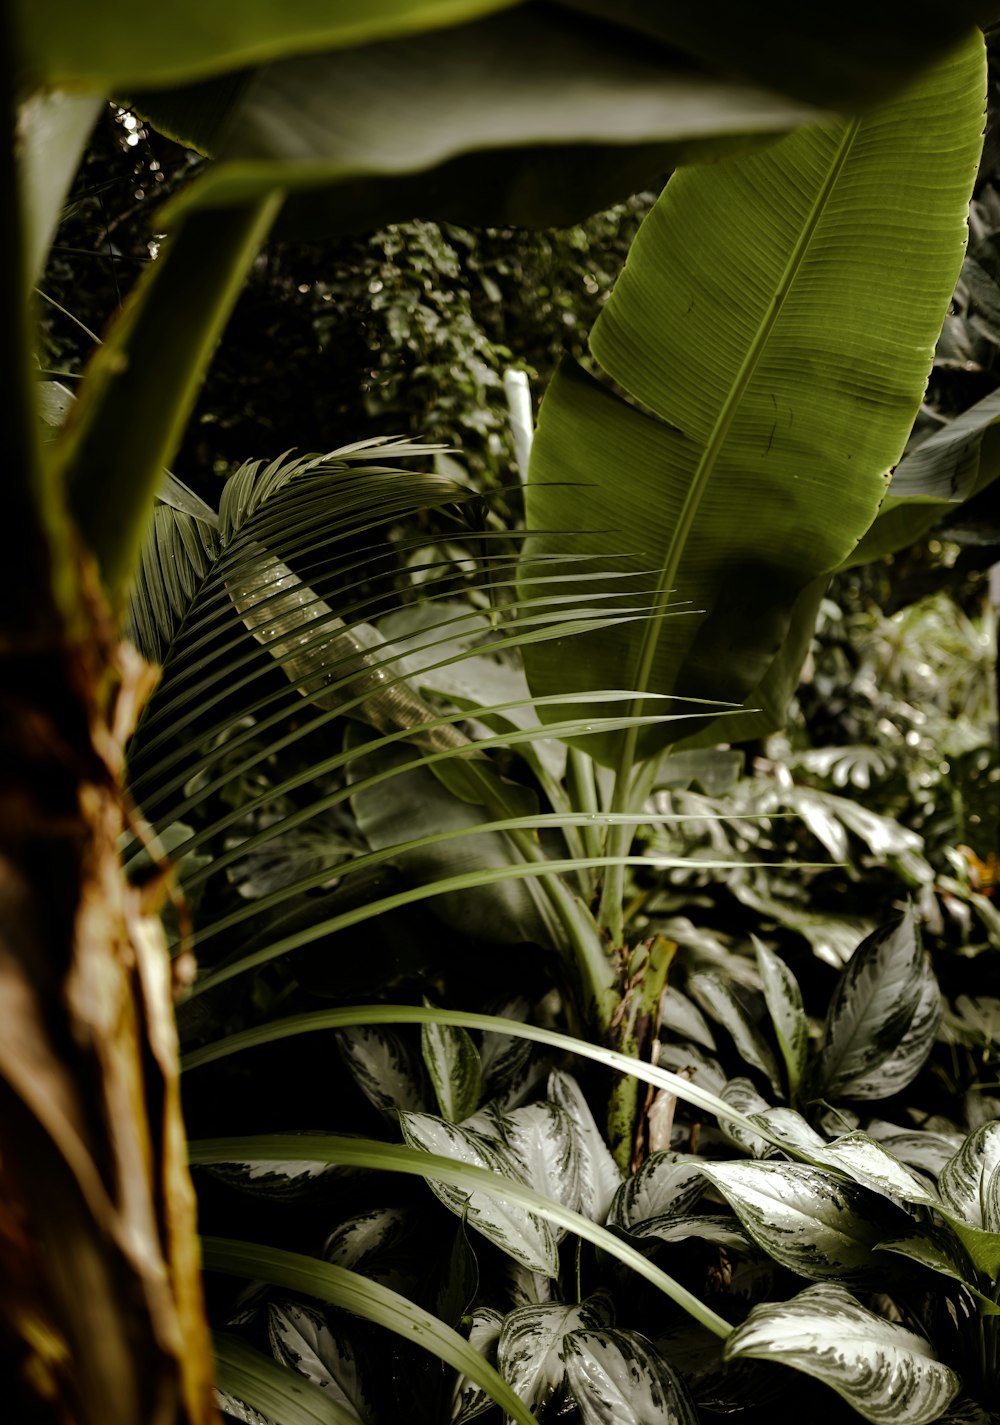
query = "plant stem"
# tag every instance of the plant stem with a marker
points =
(637, 1029)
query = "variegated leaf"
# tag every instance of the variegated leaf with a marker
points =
(934, 1249)
(790, 1127)
(805, 1218)
(599, 1174)
(682, 1019)
(871, 1164)
(744, 1097)
(530, 1355)
(239, 1410)
(991, 1201)
(292, 1181)
(917, 1148)
(469, 1399)
(543, 1138)
(300, 1338)
(375, 1243)
(510, 1067)
(525, 1288)
(718, 999)
(888, 1374)
(667, 1184)
(516, 1231)
(384, 1067)
(710, 1227)
(882, 1018)
(784, 1004)
(452, 1063)
(619, 1378)
(702, 1068)
(964, 1178)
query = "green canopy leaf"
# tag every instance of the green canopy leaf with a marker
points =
(779, 393)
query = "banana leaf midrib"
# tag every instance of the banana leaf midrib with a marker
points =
(723, 422)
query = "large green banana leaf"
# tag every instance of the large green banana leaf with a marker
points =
(107, 44)
(776, 320)
(857, 57)
(534, 116)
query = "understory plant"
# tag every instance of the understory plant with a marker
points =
(400, 750)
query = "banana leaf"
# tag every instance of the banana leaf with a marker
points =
(775, 323)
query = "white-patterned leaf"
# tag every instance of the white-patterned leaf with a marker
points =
(744, 1097)
(372, 1243)
(280, 1181)
(886, 1373)
(515, 1230)
(717, 998)
(667, 1185)
(918, 1148)
(619, 1378)
(710, 1227)
(965, 1176)
(239, 1409)
(682, 1019)
(599, 1174)
(805, 1218)
(872, 1165)
(543, 1138)
(790, 1127)
(784, 1004)
(469, 1399)
(510, 1067)
(452, 1063)
(384, 1067)
(689, 1059)
(991, 1202)
(882, 1018)
(530, 1354)
(525, 1288)
(301, 1339)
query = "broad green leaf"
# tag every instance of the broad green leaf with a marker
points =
(882, 1019)
(452, 1062)
(273, 1393)
(599, 1175)
(384, 1067)
(889, 1375)
(743, 322)
(666, 1185)
(363, 1298)
(459, 1283)
(965, 1178)
(530, 1354)
(519, 1233)
(619, 1378)
(947, 469)
(874, 1166)
(784, 1004)
(301, 1339)
(106, 49)
(529, 116)
(52, 133)
(718, 998)
(470, 1400)
(935, 1250)
(412, 803)
(805, 1218)
(793, 48)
